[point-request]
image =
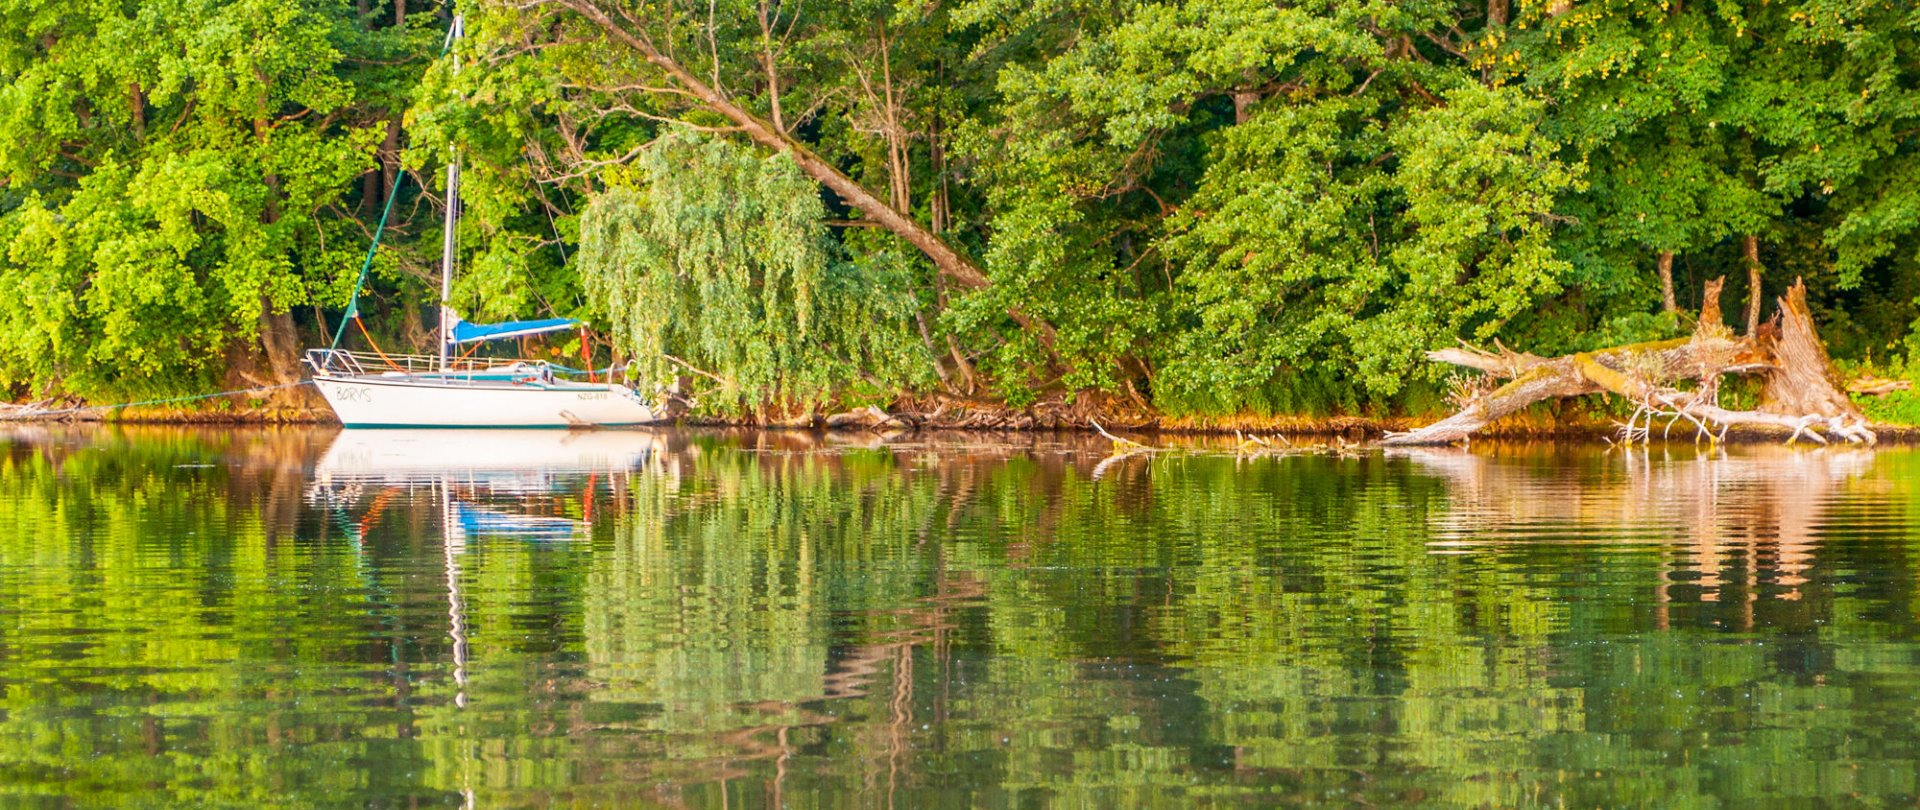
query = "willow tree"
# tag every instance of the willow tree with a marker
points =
(852, 94)
(711, 260)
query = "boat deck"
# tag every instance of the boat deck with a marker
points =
(363, 367)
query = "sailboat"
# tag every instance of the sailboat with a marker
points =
(445, 390)
(392, 391)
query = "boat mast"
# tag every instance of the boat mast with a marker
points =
(453, 206)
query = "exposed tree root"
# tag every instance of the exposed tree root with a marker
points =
(1798, 391)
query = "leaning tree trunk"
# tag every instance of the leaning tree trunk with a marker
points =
(949, 261)
(1799, 391)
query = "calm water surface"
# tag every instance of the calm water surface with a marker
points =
(502, 619)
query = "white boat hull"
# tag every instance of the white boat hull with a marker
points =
(408, 401)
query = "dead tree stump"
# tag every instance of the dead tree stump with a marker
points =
(1676, 380)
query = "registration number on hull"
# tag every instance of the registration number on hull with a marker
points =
(352, 393)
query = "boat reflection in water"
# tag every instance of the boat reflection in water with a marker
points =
(496, 458)
(484, 483)
(474, 471)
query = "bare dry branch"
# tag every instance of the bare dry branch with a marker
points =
(1799, 394)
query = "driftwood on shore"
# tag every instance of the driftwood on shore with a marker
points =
(25, 411)
(1673, 380)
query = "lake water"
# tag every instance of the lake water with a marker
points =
(313, 618)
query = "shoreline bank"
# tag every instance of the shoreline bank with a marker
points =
(1349, 428)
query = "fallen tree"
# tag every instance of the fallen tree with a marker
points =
(1676, 380)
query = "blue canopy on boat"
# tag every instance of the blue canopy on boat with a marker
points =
(464, 332)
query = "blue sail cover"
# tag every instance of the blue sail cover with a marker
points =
(464, 332)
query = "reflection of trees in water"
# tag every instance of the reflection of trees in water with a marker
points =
(755, 618)
(150, 579)
(1272, 628)
(722, 607)
(1700, 609)
(1745, 524)
(767, 598)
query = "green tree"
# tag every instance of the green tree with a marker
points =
(176, 173)
(1208, 206)
(1297, 192)
(1726, 130)
(714, 260)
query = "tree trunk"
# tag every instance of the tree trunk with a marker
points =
(389, 159)
(898, 169)
(277, 335)
(933, 355)
(137, 103)
(1751, 247)
(378, 182)
(1243, 101)
(370, 190)
(1667, 302)
(1799, 392)
(1537, 379)
(1802, 378)
(413, 331)
(282, 344)
(937, 152)
(944, 257)
(390, 148)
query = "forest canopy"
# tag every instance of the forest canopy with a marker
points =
(1205, 207)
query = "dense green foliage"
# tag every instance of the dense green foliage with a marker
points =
(1211, 205)
(177, 175)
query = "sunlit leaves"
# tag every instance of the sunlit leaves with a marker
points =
(1319, 246)
(716, 257)
(184, 163)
